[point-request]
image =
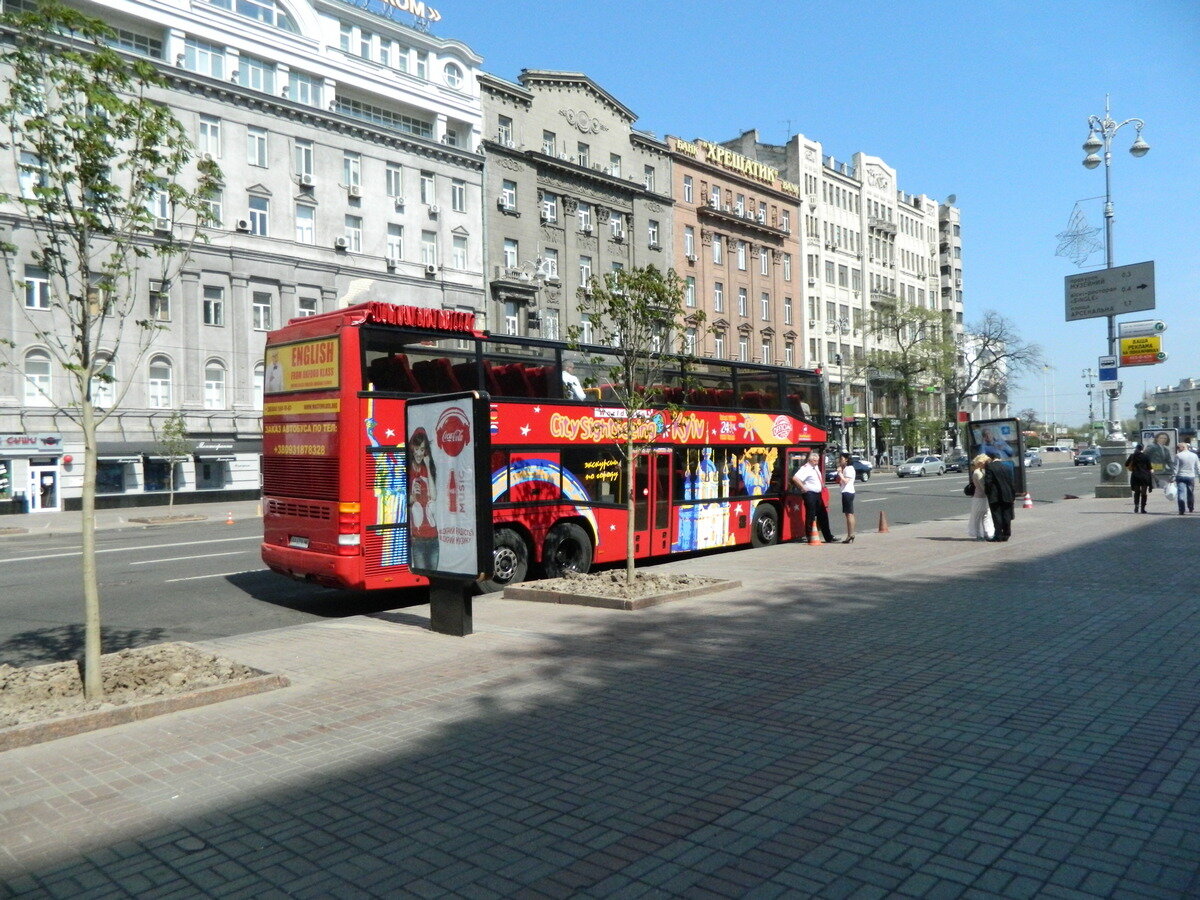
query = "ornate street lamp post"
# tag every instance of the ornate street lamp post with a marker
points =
(1101, 132)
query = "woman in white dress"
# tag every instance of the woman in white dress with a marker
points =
(979, 523)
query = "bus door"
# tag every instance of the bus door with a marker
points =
(652, 502)
(793, 512)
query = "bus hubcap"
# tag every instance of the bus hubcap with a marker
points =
(505, 564)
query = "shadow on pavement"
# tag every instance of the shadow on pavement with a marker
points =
(65, 642)
(1029, 727)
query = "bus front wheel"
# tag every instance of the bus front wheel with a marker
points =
(510, 561)
(568, 548)
(764, 528)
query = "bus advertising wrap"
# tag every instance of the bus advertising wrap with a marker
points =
(449, 492)
(303, 366)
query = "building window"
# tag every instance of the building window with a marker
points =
(422, 69)
(214, 305)
(743, 349)
(549, 208)
(585, 272)
(648, 177)
(160, 383)
(787, 267)
(260, 208)
(718, 250)
(37, 288)
(261, 311)
(302, 153)
(764, 306)
(256, 74)
(508, 194)
(585, 327)
(688, 189)
(458, 252)
(104, 386)
(739, 204)
(843, 275)
(354, 230)
(719, 297)
(304, 89)
(549, 143)
(830, 270)
(689, 342)
(714, 196)
(741, 256)
(453, 74)
(209, 136)
(214, 386)
(260, 379)
(743, 303)
(585, 217)
(393, 181)
(504, 130)
(395, 241)
(428, 189)
(429, 248)
(550, 329)
(689, 241)
(511, 253)
(160, 302)
(215, 208)
(616, 224)
(584, 152)
(307, 307)
(550, 263)
(351, 169)
(766, 350)
(512, 318)
(256, 147)
(789, 354)
(764, 265)
(37, 379)
(785, 220)
(306, 223)
(652, 232)
(719, 345)
(787, 310)
(204, 58)
(689, 291)
(458, 195)
(614, 164)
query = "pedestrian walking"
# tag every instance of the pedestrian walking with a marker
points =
(1187, 470)
(1001, 493)
(846, 476)
(1141, 476)
(979, 522)
(809, 480)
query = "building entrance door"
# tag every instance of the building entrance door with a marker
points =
(43, 489)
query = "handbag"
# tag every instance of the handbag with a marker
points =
(969, 488)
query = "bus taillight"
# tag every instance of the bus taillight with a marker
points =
(349, 527)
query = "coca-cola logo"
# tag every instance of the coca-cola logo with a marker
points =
(781, 428)
(453, 431)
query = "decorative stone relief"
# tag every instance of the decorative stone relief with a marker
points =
(584, 122)
(570, 205)
(510, 164)
(877, 177)
(654, 207)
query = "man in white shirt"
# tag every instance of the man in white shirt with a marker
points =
(1187, 470)
(572, 389)
(809, 479)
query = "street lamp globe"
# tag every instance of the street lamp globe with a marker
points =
(1140, 147)
(1092, 144)
(1091, 161)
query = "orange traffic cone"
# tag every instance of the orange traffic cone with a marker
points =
(1028, 504)
(883, 526)
(814, 535)
(229, 518)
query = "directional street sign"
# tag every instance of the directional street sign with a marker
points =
(1140, 328)
(1108, 369)
(1110, 292)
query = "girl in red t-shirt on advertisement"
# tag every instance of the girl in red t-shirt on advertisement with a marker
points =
(422, 497)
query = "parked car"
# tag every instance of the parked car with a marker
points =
(957, 462)
(1089, 456)
(921, 466)
(862, 468)
(1033, 458)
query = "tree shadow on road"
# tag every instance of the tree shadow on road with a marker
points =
(65, 642)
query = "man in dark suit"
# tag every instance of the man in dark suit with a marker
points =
(1001, 493)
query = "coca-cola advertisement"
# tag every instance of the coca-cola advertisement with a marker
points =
(449, 504)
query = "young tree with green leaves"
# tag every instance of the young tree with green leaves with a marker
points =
(175, 447)
(111, 194)
(638, 313)
(913, 351)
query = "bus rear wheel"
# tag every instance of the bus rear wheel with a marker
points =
(568, 548)
(510, 561)
(764, 528)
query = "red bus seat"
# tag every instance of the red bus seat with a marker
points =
(490, 382)
(539, 380)
(675, 395)
(467, 375)
(402, 374)
(725, 398)
(513, 381)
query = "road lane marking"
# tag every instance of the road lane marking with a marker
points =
(257, 538)
(155, 562)
(216, 575)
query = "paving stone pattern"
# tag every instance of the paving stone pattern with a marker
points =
(911, 715)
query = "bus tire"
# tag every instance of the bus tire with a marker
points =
(764, 527)
(568, 548)
(510, 561)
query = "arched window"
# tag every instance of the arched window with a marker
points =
(267, 11)
(259, 381)
(160, 383)
(104, 386)
(37, 379)
(214, 385)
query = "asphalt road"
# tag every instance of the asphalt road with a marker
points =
(200, 580)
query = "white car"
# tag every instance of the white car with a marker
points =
(921, 466)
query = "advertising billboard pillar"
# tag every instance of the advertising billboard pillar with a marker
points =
(449, 502)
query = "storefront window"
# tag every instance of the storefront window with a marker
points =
(157, 473)
(110, 477)
(211, 474)
(5, 479)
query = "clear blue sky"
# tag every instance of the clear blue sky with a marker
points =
(987, 101)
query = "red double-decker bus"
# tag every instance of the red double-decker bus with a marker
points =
(711, 473)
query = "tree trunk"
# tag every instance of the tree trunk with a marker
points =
(93, 685)
(630, 501)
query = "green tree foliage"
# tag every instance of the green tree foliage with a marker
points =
(111, 195)
(174, 446)
(637, 314)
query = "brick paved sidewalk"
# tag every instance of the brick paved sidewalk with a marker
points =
(914, 714)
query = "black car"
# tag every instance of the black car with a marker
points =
(957, 462)
(862, 469)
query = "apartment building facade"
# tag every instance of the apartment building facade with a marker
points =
(348, 139)
(572, 191)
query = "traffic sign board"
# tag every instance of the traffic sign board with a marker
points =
(1141, 328)
(1142, 351)
(1108, 369)
(1110, 292)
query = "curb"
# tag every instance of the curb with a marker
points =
(167, 520)
(93, 720)
(544, 595)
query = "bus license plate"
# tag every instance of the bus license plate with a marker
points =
(300, 543)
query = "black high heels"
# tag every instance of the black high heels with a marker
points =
(849, 540)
